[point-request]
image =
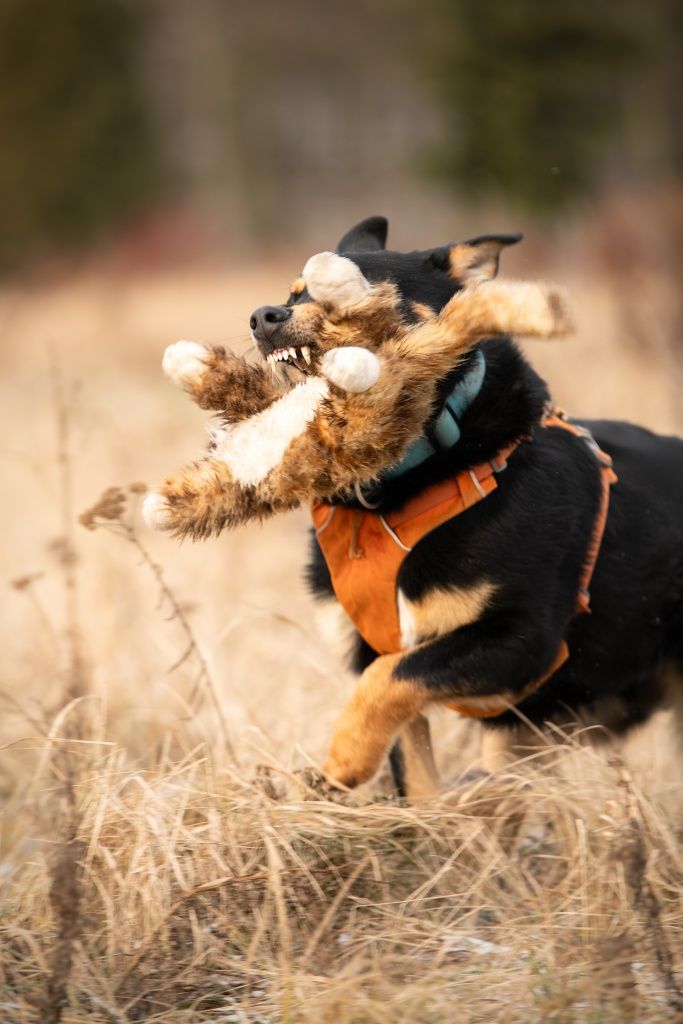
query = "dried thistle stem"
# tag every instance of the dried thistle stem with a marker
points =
(76, 674)
(109, 512)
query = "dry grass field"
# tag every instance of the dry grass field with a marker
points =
(144, 875)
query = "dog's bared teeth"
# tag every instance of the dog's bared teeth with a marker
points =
(306, 353)
(292, 353)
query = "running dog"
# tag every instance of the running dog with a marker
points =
(487, 553)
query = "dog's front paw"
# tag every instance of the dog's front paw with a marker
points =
(156, 512)
(352, 369)
(348, 766)
(184, 362)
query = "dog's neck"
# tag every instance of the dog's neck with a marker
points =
(510, 403)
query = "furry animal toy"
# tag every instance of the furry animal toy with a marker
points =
(327, 416)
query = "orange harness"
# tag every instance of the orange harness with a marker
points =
(364, 550)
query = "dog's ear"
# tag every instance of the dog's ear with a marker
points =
(472, 261)
(368, 236)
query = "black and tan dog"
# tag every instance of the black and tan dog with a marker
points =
(462, 525)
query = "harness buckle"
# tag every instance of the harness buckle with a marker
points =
(585, 434)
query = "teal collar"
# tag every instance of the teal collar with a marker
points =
(446, 429)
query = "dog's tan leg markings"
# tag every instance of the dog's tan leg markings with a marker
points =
(379, 708)
(421, 778)
(442, 611)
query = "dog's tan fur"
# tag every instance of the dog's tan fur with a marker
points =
(352, 436)
(380, 707)
(441, 611)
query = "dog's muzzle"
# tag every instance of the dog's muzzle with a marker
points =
(265, 323)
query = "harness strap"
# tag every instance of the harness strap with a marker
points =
(492, 707)
(607, 478)
(364, 552)
(496, 704)
(466, 485)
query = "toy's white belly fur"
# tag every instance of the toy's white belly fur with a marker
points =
(256, 446)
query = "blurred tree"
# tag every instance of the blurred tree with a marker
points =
(534, 93)
(282, 116)
(77, 155)
(270, 119)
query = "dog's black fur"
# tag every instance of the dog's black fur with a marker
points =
(530, 537)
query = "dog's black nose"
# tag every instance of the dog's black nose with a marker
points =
(266, 319)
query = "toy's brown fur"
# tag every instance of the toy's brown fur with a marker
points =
(232, 386)
(353, 436)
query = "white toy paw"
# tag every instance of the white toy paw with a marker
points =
(184, 362)
(352, 368)
(156, 512)
(335, 279)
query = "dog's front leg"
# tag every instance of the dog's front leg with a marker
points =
(380, 707)
(482, 669)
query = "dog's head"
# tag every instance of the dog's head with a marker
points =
(364, 294)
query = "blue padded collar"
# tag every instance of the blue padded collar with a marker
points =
(446, 429)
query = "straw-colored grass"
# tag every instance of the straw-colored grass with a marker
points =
(203, 899)
(148, 872)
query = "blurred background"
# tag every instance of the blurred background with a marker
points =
(166, 167)
(236, 127)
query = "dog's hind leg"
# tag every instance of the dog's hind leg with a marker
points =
(497, 748)
(412, 761)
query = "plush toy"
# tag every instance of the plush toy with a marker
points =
(351, 399)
